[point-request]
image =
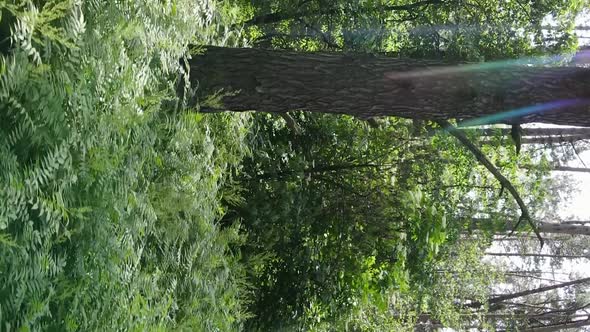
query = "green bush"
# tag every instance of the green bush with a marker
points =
(108, 195)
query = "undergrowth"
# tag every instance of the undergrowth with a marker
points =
(108, 195)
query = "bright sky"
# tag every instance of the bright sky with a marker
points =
(583, 35)
(581, 20)
(579, 205)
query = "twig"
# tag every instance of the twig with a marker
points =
(459, 135)
(577, 154)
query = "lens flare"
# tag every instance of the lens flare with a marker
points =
(438, 70)
(524, 111)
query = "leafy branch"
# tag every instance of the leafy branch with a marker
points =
(283, 16)
(524, 213)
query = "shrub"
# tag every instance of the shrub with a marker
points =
(108, 195)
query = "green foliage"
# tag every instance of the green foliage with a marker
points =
(119, 210)
(342, 218)
(307, 214)
(352, 227)
(108, 195)
(482, 30)
(458, 277)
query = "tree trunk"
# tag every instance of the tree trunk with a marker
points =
(554, 139)
(559, 326)
(546, 227)
(569, 139)
(515, 254)
(570, 169)
(505, 297)
(557, 131)
(576, 222)
(366, 86)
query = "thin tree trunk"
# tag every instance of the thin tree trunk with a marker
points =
(541, 135)
(571, 229)
(510, 254)
(521, 237)
(548, 139)
(558, 131)
(577, 27)
(559, 168)
(528, 276)
(501, 298)
(366, 86)
(549, 227)
(559, 327)
(570, 169)
(538, 272)
(531, 315)
(575, 222)
(554, 139)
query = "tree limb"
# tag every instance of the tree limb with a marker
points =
(291, 123)
(459, 135)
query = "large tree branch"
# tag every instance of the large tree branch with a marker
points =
(459, 135)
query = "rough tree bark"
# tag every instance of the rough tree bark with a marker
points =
(367, 86)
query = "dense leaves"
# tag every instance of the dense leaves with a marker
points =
(108, 198)
(343, 213)
(474, 30)
(120, 209)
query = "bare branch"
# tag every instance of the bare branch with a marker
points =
(577, 154)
